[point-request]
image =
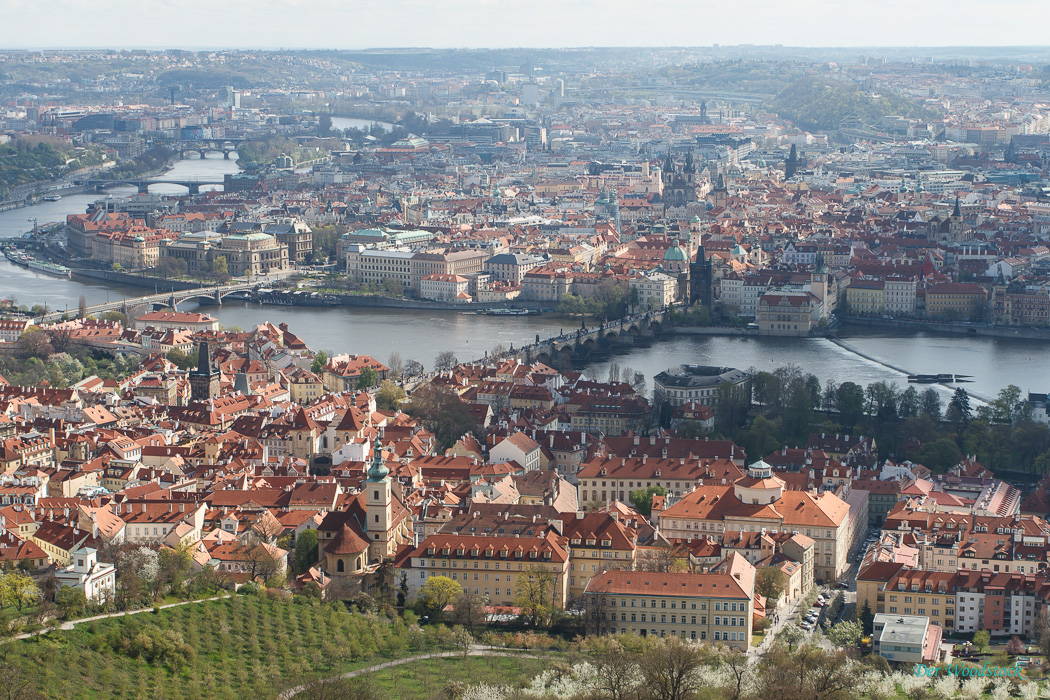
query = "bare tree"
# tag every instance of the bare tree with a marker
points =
(670, 669)
(445, 361)
(267, 527)
(616, 675)
(470, 610)
(82, 307)
(396, 365)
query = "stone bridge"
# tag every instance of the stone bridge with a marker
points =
(594, 344)
(192, 185)
(172, 299)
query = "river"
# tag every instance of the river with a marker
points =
(421, 335)
(213, 168)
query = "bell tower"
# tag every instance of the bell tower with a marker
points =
(379, 498)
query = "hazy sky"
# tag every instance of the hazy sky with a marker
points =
(353, 24)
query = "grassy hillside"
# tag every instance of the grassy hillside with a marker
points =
(243, 647)
(820, 104)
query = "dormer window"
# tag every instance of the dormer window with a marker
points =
(607, 543)
(532, 555)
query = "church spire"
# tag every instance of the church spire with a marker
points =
(378, 471)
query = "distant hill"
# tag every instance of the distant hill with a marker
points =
(822, 104)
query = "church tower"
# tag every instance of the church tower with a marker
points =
(204, 380)
(955, 223)
(721, 193)
(379, 499)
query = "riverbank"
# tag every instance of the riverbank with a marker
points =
(960, 328)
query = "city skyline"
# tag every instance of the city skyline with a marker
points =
(296, 24)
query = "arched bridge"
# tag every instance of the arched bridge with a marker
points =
(172, 299)
(193, 185)
(597, 343)
(202, 146)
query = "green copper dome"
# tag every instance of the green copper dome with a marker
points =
(675, 254)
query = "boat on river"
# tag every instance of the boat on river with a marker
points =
(511, 312)
(50, 268)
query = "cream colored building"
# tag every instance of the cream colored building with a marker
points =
(712, 607)
(759, 501)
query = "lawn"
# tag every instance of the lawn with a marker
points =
(246, 646)
(421, 680)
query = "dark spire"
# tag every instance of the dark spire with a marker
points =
(956, 213)
(203, 359)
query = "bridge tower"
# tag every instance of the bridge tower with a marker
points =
(204, 380)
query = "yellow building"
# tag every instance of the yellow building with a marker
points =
(713, 607)
(866, 297)
(495, 567)
(965, 300)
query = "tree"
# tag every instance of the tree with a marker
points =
(469, 611)
(867, 618)
(1015, 646)
(1041, 632)
(82, 307)
(305, 550)
(847, 633)
(642, 499)
(908, 403)
(443, 413)
(34, 343)
(18, 589)
(536, 587)
(849, 403)
(670, 669)
(367, 379)
(616, 674)
(219, 265)
(16, 683)
(324, 125)
(182, 359)
(389, 396)
(981, 639)
(930, 403)
(662, 559)
(267, 527)
(320, 360)
(445, 361)
(438, 592)
(791, 635)
(959, 411)
(262, 564)
(940, 454)
(770, 582)
(396, 365)
(174, 565)
(462, 639)
(71, 601)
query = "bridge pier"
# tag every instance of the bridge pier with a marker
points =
(226, 155)
(194, 189)
(143, 187)
(218, 297)
(204, 153)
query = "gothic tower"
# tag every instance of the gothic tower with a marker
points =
(204, 380)
(721, 193)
